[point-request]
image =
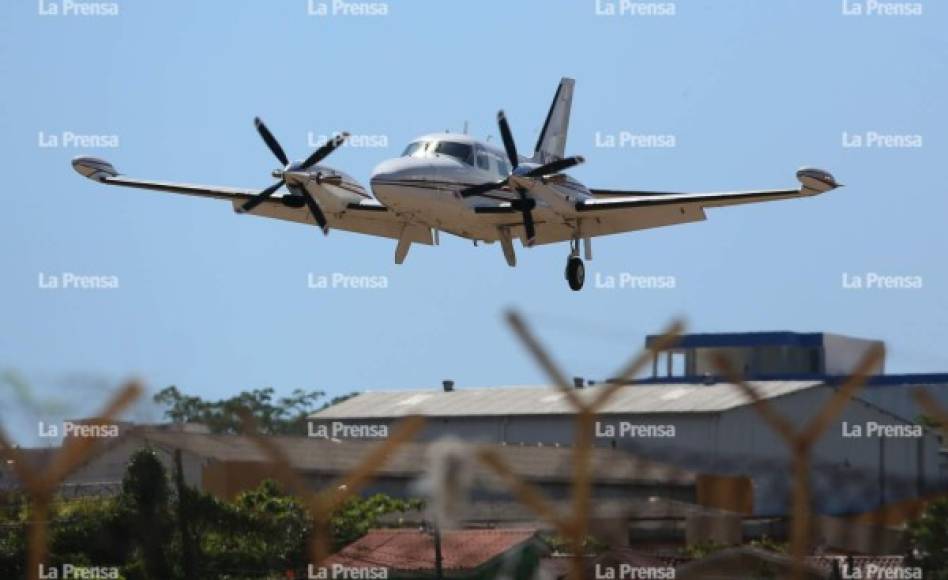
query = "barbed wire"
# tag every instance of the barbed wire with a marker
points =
(43, 486)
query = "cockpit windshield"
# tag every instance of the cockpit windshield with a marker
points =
(460, 151)
(415, 148)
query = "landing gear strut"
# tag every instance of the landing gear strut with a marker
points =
(575, 270)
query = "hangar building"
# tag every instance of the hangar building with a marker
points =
(872, 454)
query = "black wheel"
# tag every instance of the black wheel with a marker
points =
(575, 273)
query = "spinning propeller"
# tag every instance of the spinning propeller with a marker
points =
(525, 204)
(314, 158)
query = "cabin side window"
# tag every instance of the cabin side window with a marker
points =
(502, 168)
(483, 161)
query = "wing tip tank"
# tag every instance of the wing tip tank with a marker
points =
(94, 168)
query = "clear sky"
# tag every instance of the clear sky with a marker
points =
(217, 303)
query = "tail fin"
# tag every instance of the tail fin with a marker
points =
(551, 144)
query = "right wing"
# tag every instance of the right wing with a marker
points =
(367, 216)
(613, 211)
(618, 211)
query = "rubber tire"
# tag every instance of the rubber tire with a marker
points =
(575, 273)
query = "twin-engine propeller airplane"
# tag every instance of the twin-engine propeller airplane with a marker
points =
(457, 184)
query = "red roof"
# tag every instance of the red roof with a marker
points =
(411, 549)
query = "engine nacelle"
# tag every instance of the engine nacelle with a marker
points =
(816, 180)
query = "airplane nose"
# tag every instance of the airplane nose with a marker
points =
(392, 170)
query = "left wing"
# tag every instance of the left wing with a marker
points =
(366, 216)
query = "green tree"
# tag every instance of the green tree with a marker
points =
(282, 416)
(13, 517)
(145, 507)
(357, 516)
(263, 533)
(88, 531)
(929, 540)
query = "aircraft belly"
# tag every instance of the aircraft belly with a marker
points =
(435, 207)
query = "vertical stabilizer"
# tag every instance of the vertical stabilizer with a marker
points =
(551, 144)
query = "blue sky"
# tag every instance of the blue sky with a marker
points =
(217, 303)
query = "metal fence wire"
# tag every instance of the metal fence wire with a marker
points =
(42, 487)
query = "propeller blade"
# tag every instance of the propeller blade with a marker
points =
(555, 166)
(526, 206)
(317, 212)
(509, 145)
(271, 141)
(483, 188)
(325, 150)
(529, 226)
(261, 197)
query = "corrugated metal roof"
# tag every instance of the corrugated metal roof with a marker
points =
(317, 455)
(651, 398)
(413, 550)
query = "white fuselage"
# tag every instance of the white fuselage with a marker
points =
(425, 184)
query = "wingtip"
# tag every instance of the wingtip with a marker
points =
(94, 168)
(816, 180)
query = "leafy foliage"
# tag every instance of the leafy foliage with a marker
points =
(929, 540)
(560, 545)
(13, 517)
(357, 516)
(770, 544)
(703, 549)
(146, 514)
(283, 416)
(263, 533)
